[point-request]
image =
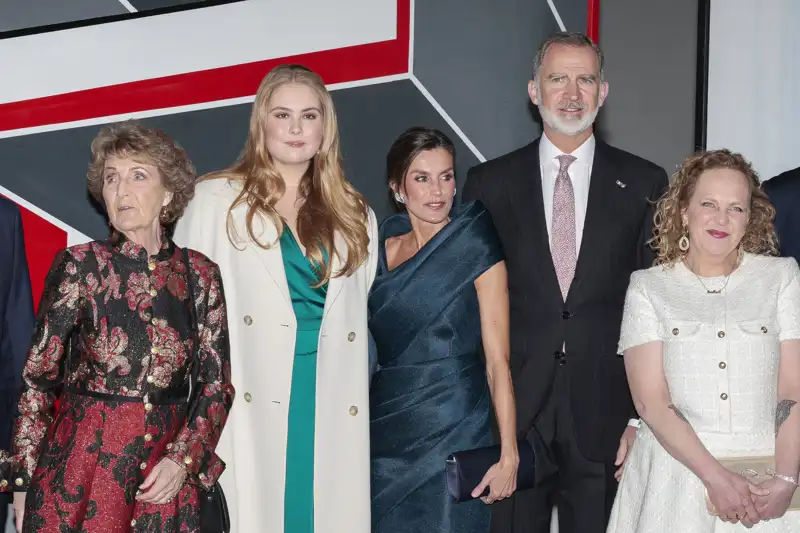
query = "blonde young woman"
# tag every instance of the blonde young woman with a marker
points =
(297, 247)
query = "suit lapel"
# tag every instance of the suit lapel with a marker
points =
(602, 201)
(525, 195)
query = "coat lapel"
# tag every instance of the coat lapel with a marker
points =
(271, 257)
(525, 195)
(336, 283)
(602, 201)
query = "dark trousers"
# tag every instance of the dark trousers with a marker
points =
(582, 490)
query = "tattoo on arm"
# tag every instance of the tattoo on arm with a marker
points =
(678, 413)
(782, 413)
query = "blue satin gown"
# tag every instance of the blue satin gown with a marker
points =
(429, 395)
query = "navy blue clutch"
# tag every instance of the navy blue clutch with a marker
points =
(464, 470)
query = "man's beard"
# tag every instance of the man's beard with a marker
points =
(566, 126)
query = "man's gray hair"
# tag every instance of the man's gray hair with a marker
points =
(569, 38)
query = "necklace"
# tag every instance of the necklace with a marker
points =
(727, 278)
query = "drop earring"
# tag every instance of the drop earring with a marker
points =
(399, 198)
(683, 243)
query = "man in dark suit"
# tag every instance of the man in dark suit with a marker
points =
(574, 215)
(784, 193)
(16, 327)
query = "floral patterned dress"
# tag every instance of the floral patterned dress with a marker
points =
(113, 343)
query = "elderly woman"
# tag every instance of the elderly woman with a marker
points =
(115, 335)
(711, 344)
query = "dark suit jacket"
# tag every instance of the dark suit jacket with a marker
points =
(618, 223)
(16, 310)
(784, 193)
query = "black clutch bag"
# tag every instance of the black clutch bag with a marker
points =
(465, 470)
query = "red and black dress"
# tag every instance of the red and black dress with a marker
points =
(113, 342)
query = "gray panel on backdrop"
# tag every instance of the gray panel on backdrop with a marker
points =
(475, 58)
(20, 14)
(651, 58)
(49, 169)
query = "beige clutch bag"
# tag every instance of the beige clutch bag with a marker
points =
(756, 470)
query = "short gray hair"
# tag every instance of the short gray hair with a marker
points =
(569, 38)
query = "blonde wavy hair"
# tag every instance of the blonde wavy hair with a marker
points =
(759, 236)
(331, 205)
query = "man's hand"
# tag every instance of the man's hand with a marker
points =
(625, 445)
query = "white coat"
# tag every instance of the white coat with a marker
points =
(262, 337)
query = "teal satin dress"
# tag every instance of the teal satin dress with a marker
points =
(308, 304)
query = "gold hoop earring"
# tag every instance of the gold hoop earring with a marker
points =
(683, 243)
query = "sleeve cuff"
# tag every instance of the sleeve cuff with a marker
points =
(203, 473)
(635, 422)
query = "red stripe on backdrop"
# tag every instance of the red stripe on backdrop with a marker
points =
(335, 66)
(43, 241)
(593, 20)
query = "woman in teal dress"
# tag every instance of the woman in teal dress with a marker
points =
(297, 249)
(308, 302)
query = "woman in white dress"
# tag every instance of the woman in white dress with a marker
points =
(711, 344)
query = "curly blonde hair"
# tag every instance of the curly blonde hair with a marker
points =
(759, 236)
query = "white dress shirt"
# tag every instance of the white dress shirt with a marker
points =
(580, 173)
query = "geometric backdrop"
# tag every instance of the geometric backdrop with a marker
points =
(192, 68)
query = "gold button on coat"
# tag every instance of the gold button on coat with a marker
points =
(3, 483)
(353, 410)
(187, 460)
(351, 336)
(19, 482)
(133, 523)
(248, 319)
(148, 407)
(248, 397)
(153, 292)
(150, 379)
(143, 465)
(151, 265)
(148, 437)
(154, 349)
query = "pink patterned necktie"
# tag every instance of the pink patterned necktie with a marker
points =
(563, 226)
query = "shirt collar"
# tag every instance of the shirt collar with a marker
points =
(583, 154)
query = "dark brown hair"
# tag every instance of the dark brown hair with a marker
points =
(407, 147)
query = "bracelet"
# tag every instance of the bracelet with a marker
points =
(788, 479)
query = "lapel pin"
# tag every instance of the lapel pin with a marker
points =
(621, 185)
